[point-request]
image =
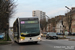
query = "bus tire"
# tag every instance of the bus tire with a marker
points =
(15, 41)
(36, 42)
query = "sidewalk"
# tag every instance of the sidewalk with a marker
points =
(11, 35)
(71, 38)
(66, 35)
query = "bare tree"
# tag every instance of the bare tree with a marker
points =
(69, 20)
(43, 23)
(6, 11)
(52, 21)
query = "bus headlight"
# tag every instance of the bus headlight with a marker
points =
(39, 38)
(21, 39)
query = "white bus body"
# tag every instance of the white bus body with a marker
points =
(26, 30)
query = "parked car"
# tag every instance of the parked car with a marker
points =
(69, 33)
(59, 33)
(51, 35)
(73, 33)
(2, 35)
(43, 34)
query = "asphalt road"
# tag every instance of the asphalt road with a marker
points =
(71, 37)
(45, 44)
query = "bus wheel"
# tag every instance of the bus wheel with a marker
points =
(36, 42)
(15, 41)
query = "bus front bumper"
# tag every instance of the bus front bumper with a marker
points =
(38, 40)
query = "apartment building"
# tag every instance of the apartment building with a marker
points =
(39, 14)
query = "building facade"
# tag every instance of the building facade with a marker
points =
(39, 14)
(59, 27)
(65, 23)
(73, 24)
(67, 18)
(73, 20)
(50, 28)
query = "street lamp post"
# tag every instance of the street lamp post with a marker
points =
(70, 20)
(68, 8)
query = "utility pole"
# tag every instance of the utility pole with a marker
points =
(70, 20)
(68, 8)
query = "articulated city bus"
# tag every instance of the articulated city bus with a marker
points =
(26, 30)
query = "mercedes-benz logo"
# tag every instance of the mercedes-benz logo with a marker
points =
(30, 38)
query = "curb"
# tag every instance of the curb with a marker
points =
(63, 39)
(71, 39)
(9, 42)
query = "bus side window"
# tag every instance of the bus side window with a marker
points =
(17, 31)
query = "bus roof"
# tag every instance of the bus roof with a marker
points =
(27, 17)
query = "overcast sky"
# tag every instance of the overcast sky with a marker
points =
(52, 8)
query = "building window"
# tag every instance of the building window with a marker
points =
(33, 14)
(34, 11)
(40, 12)
(73, 23)
(73, 30)
(74, 17)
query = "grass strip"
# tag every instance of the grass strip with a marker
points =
(5, 42)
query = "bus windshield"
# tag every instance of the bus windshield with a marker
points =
(29, 27)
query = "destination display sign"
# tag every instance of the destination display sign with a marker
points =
(23, 22)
